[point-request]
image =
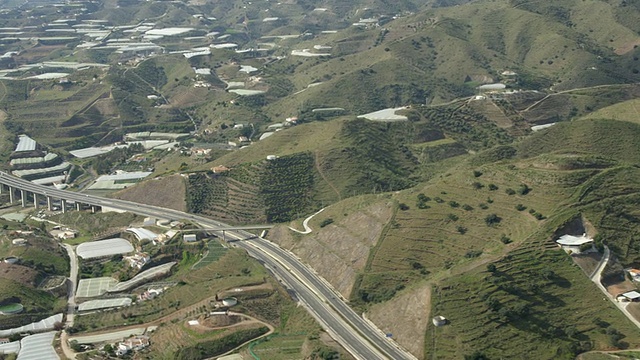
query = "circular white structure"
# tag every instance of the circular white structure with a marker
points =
(230, 301)
(11, 260)
(11, 309)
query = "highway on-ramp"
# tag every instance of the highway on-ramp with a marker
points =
(358, 336)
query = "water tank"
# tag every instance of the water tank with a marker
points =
(230, 301)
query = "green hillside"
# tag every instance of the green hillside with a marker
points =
(37, 304)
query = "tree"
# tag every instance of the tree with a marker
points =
(491, 268)
(523, 189)
(493, 187)
(75, 346)
(492, 219)
(586, 247)
(477, 185)
(477, 355)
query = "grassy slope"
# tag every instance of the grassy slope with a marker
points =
(428, 239)
(624, 111)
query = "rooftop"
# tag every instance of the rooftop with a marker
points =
(25, 143)
(102, 248)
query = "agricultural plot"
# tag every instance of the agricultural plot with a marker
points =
(94, 287)
(445, 224)
(232, 270)
(214, 252)
(280, 347)
(524, 302)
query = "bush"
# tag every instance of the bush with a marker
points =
(493, 187)
(539, 216)
(452, 217)
(467, 207)
(403, 206)
(473, 254)
(461, 229)
(326, 222)
(505, 239)
(521, 207)
(510, 191)
(438, 200)
(492, 219)
(524, 189)
(454, 204)
(491, 268)
(477, 173)
(422, 201)
(476, 185)
(483, 206)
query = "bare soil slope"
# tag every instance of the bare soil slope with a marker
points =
(340, 250)
(406, 317)
(168, 192)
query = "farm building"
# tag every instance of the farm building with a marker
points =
(103, 248)
(573, 243)
(439, 320)
(635, 274)
(19, 242)
(189, 238)
(135, 343)
(629, 296)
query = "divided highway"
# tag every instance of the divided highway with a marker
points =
(358, 336)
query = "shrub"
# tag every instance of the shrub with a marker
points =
(492, 219)
(510, 191)
(491, 268)
(461, 229)
(467, 207)
(438, 200)
(454, 204)
(532, 211)
(539, 216)
(477, 185)
(483, 206)
(524, 189)
(326, 222)
(403, 206)
(505, 239)
(422, 201)
(477, 173)
(521, 207)
(493, 187)
(473, 254)
(452, 217)
(490, 200)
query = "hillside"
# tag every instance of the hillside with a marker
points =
(503, 208)
(166, 192)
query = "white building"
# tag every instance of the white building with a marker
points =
(189, 238)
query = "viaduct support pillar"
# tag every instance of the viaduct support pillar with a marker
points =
(63, 205)
(35, 200)
(49, 206)
(10, 195)
(23, 198)
(93, 209)
(77, 206)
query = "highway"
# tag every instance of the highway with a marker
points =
(358, 336)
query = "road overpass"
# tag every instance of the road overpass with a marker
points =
(358, 336)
